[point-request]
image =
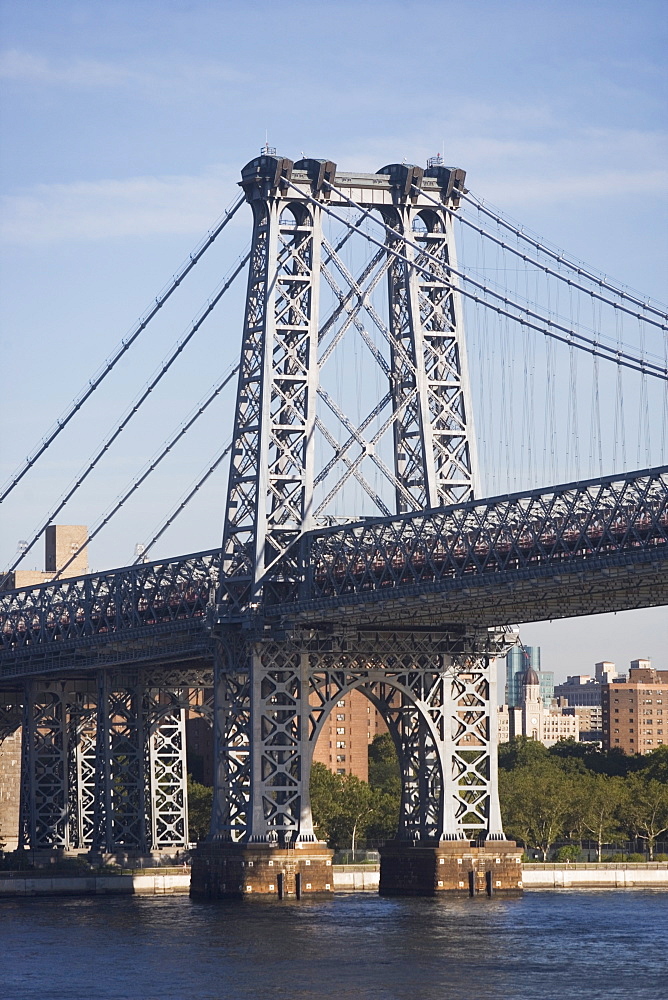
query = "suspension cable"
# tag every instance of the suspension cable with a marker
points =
(124, 346)
(186, 500)
(542, 267)
(560, 258)
(153, 464)
(591, 347)
(134, 409)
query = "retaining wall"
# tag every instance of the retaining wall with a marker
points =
(346, 878)
(94, 885)
(599, 876)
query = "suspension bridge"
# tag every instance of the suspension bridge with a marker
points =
(373, 540)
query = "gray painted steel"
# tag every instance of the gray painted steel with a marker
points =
(411, 608)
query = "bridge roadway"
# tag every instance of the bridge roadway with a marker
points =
(578, 549)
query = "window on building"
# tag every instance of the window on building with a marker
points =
(341, 704)
(341, 717)
(341, 731)
(340, 758)
(340, 744)
(340, 770)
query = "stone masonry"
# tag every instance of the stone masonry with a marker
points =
(245, 871)
(450, 866)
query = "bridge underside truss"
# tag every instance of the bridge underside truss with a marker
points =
(434, 690)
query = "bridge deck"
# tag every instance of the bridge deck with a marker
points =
(579, 549)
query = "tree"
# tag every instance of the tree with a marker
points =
(324, 788)
(200, 804)
(384, 772)
(521, 752)
(535, 803)
(601, 798)
(645, 809)
(385, 817)
(346, 809)
(655, 765)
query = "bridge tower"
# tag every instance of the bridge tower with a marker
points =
(277, 678)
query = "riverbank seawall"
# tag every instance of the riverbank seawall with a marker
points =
(153, 884)
(651, 875)
(347, 878)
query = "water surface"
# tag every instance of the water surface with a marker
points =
(598, 945)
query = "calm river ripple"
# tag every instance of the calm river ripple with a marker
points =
(545, 946)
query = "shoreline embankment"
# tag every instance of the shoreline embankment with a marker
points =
(347, 878)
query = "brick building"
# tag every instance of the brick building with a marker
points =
(343, 744)
(635, 711)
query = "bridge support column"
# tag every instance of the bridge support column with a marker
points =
(142, 805)
(57, 785)
(273, 697)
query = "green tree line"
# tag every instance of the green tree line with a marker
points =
(575, 791)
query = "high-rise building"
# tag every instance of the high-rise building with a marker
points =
(343, 744)
(635, 711)
(517, 661)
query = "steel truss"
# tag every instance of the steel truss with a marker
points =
(559, 541)
(268, 693)
(411, 562)
(104, 767)
(433, 690)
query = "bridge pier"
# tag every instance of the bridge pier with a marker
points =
(450, 867)
(250, 871)
(436, 691)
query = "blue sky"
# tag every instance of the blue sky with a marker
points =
(124, 129)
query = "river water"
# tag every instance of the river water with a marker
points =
(600, 945)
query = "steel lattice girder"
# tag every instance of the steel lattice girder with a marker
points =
(577, 549)
(582, 548)
(73, 625)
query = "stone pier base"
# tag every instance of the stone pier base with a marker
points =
(450, 866)
(247, 871)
